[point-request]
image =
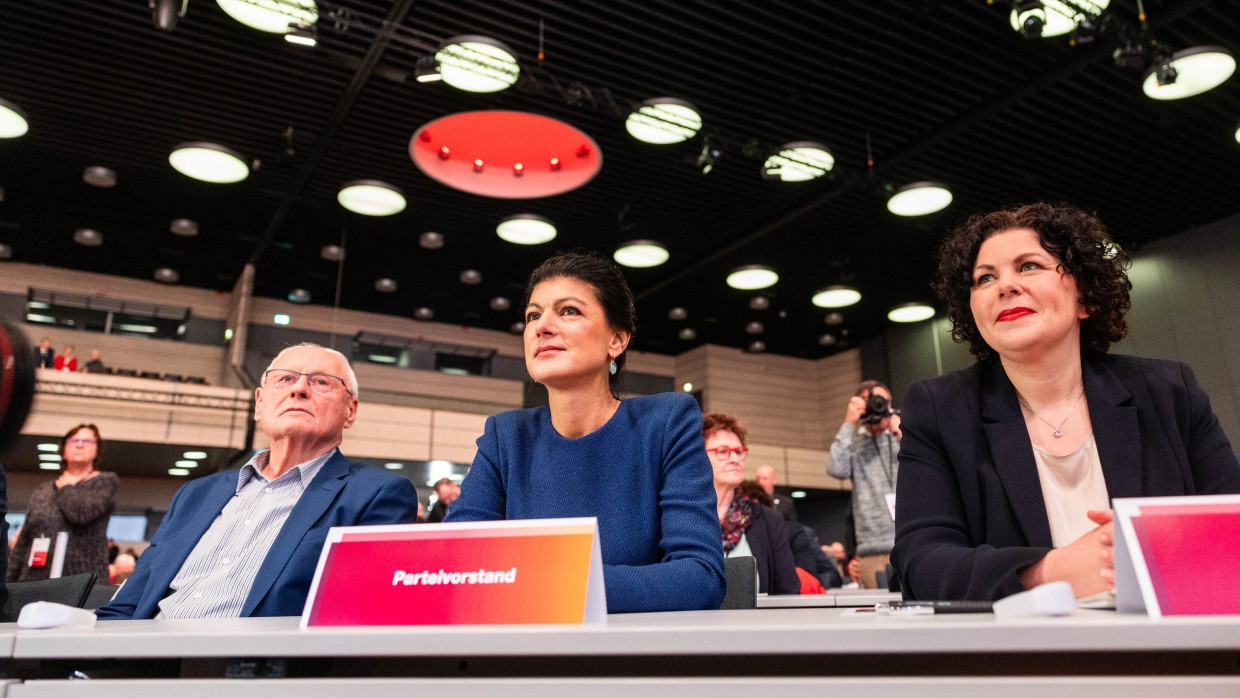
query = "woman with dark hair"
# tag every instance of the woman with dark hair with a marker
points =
(749, 528)
(637, 464)
(1007, 468)
(79, 502)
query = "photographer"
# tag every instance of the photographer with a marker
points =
(865, 449)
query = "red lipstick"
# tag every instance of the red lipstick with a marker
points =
(1014, 314)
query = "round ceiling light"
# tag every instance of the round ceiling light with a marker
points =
(471, 277)
(12, 120)
(272, 16)
(664, 120)
(87, 237)
(836, 297)
(799, 161)
(477, 64)
(752, 277)
(183, 227)
(757, 346)
(687, 334)
(299, 295)
(677, 313)
(370, 197)
(759, 303)
(910, 312)
(500, 303)
(1238, 134)
(526, 229)
(385, 285)
(97, 176)
(423, 313)
(332, 253)
(1189, 72)
(167, 276)
(1058, 17)
(641, 254)
(919, 199)
(431, 240)
(6, 251)
(517, 327)
(755, 328)
(209, 162)
(827, 340)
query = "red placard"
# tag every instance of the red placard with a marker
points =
(541, 571)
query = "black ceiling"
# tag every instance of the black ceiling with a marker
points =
(945, 90)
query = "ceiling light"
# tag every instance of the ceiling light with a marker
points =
(183, 227)
(299, 295)
(179, 472)
(87, 237)
(167, 276)
(370, 197)
(394, 466)
(525, 229)
(281, 319)
(1189, 72)
(385, 285)
(423, 313)
(752, 277)
(1238, 134)
(834, 318)
(677, 313)
(919, 199)
(6, 251)
(517, 327)
(50, 457)
(759, 303)
(427, 70)
(799, 161)
(687, 387)
(757, 346)
(187, 464)
(664, 120)
(477, 64)
(755, 328)
(301, 34)
(49, 448)
(499, 303)
(274, 16)
(209, 162)
(641, 254)
(431, 240)
(688, 334)
(12, 120)
(471, 277)
(827, 340)
(49, 466)
(332, 253)
(194, 455)
(910, 312)
(97, 176)
(1049, 18)
(837, 296)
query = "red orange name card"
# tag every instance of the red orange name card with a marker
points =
(1177, 556)
(535, 571)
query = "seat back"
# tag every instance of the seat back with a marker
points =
(72, 590)
(741, 576)
(100, 595)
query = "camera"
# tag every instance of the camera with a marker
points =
(16, 381)
(877, 408)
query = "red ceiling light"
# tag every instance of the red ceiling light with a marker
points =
(505, 141)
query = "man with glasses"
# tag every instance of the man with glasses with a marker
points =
(246, 542)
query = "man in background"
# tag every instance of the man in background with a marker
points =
(446, 492)
(765, 475)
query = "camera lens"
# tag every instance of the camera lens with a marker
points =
(877, 404)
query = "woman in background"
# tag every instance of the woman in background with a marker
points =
(636, 464)
(78, 502)
(1008, 468)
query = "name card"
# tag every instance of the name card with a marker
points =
(1177, 556)
(491, 572)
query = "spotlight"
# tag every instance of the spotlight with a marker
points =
(1030, 18)
(166, 13)
(1165, 73)
(301, 34)
(1188, 72)
(1130, 56)
(477, 64)
(709, 157)
(427, 70)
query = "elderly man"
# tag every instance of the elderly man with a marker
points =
(246, 542)
(765, 475)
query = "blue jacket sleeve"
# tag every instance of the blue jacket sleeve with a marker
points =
(690, 575)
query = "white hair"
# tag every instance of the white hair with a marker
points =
(351, 379)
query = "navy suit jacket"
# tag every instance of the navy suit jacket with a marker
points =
(767, 536)
(969, 510)
(343, 493)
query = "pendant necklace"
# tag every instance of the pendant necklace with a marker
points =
(1058, 429)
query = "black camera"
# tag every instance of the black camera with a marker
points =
(16, 381)
(877, 408)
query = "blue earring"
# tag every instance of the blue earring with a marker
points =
(612, 367)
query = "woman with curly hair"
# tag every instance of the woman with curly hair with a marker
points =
(1007, 468)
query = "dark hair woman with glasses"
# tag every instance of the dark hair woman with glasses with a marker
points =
(636, 464)
(79, 502)
(748, 527)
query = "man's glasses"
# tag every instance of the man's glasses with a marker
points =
(322, 383)
(81, 442)
(726, 452)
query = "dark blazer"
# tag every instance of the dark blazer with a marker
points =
(970, 515)
(768, 541)
(343, 493)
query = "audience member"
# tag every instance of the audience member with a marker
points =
(1008, 467)
(95, 365)
(865, 449)
(835, 551)
(79, 502)
(636, 464)
(446, 492)
(45, 355)
(748, 527)
(268, 518)
(120, 569)
(67, 361)
(765, 475)
(113, 551)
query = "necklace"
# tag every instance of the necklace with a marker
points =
(1058, 429)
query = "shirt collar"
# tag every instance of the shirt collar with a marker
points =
(305, 471)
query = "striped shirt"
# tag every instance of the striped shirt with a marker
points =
(216, 577)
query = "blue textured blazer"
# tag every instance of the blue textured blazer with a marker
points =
(343, 493)
(969, 510)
